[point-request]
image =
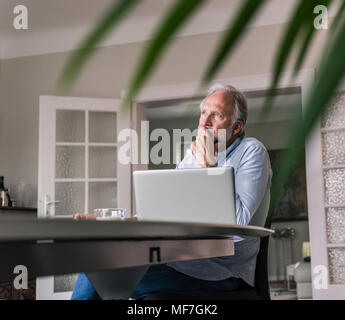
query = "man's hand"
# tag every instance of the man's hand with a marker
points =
(203, 149)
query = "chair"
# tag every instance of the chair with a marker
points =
(260, 291)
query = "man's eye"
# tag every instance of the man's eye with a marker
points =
(218, 115)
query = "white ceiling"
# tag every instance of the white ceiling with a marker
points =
(54, 14)
(59, 25)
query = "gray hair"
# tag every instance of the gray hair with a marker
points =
(241, 106)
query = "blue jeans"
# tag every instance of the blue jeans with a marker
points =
(159, 278)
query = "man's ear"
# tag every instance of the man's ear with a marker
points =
(238, 127)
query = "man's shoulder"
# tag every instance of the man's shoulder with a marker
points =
(252, 144)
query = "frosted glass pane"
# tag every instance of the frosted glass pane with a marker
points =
(335, 115)
(102, 127)
(336, 263)
(102, 195)
(102, 162)
(333, 147)
(70, 162)
(70, 126)
(336, 225)
(71, 197)
(64, 283)
(335, 186)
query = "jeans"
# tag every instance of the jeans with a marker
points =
(160, 278)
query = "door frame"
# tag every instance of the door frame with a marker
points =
(251, 83)
(46, 172)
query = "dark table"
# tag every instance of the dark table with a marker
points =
(110, 252)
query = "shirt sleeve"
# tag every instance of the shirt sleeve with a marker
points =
(252, 178)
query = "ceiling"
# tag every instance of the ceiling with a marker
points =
(54, 14)
(59, 25)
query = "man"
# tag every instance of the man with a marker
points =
(224, 110)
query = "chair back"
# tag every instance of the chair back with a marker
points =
(261, 271)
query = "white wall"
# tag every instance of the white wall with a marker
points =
(24, 79)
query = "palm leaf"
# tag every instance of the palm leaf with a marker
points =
(338, 17)
(78, 59)
(331, 73)
(308, 37)
(302, 14)
(304, 48)
(169, 25)
(232, 35)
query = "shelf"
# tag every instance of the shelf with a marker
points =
(18, 209)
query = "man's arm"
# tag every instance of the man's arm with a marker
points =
(251, 182)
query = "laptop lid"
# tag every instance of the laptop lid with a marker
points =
(186, 195)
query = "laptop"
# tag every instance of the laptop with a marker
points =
(186, 195)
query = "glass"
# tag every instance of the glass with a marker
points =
(333, 147)
(102, 162)
(71, 196)
(102, 195)
(102, 127)
(336, 262)
(70, 162)
(64, 283)
(70, 126)
(335, 114)
(110, 213)
(335, 225)
(335, 186)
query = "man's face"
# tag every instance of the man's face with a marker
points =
(217, 113)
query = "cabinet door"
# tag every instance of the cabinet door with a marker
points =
(78, 166)
(326, 201)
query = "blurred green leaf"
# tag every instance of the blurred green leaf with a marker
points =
(303, 14)
(339, 16)
(307, 37)
(169, 25)
(78, 59)
(309, 34)
(234, 31)
(330, 75)
(298, 34)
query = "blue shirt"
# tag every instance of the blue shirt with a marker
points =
(253, 174)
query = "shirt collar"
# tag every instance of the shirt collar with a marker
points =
(222, 156)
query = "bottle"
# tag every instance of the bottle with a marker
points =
(4, 195)
(2, 188)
